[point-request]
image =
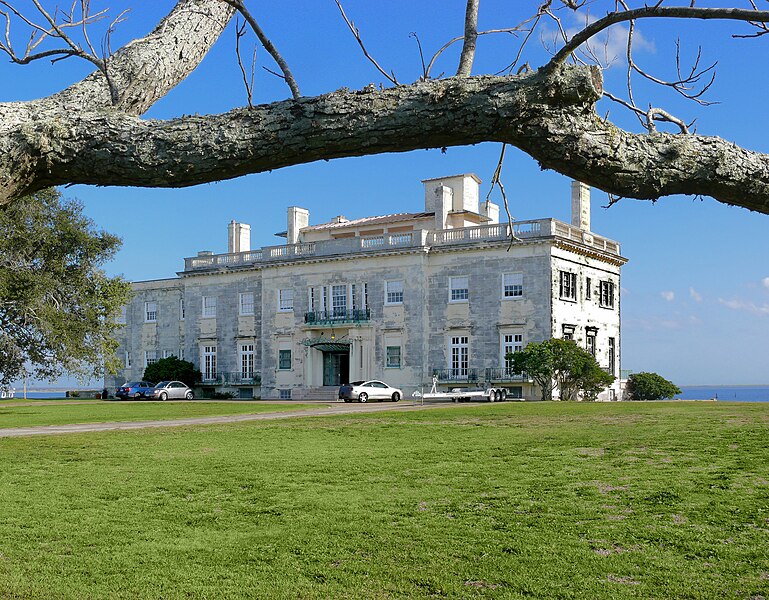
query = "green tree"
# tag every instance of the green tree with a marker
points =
(562, 364)
(650, 386)
(172, 368)
(58, 308)
(538, 361)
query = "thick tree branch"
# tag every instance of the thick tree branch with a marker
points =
(547, 114)
(146, 69)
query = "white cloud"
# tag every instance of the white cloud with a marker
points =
(695, 295)
(765, 282)
(610, 45)
(751, 307)
(669, 296)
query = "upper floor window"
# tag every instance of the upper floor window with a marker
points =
(246, 303)
(127, 360)
(150, 312)
(339, 299)
(588, 288)
(123, 316)
(512, 285)
(607, 294)
(393, 292)
(568, 288)
(459, 289)
(286, 300)
(181, 309)
(209, 306)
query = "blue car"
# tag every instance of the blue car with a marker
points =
(135, 389)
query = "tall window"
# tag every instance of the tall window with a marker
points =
(607, 294)
(512, 342)
(181, 352)
(286, 300)
(123, 316)
(150, 357)
(512, 285)
(284, 360)
(127, 360)
(588, 288)
(568, 285)
(311, 299)
(339, 300)
(167, 354)
(209, 306)
(246, 361)
(590, 341)
(459, 290)
(393, 357)
(393, 292)
(459, 356)
(150, 312)
(247, 303)
(209, 363)
(612, 357)
(181, 309)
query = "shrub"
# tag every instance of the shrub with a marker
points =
(172, 368)
(650, 386)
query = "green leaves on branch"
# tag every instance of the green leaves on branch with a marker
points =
(561, 364)
(58, 308)
(650, 386)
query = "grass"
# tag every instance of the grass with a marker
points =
(103, 412)
(658, 500)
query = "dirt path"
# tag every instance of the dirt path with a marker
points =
(326, 410)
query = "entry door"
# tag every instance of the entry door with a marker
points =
(336, 368)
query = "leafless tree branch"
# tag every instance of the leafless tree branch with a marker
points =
(656, 11)
(268, 45)
(240, 31)
(356, 32)
(471, 35)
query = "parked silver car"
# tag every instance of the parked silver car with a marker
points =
(171, 390)
(362, 391)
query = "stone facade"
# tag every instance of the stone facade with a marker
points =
(400, 298)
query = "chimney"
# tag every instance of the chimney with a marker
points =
(297, 219)
(490, 210)
(238, 237)
(580, 205)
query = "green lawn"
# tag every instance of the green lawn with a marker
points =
(541, 500)
(102, 412)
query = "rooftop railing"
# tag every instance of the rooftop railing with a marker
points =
(522, 230)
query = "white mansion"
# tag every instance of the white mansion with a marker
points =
(446, 292)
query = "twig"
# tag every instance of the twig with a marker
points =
(240, 31)
(390, 76)
(268, 45)
(496, 180)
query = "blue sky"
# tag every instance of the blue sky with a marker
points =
(695, 294)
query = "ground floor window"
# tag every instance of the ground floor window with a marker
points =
(284, 360)
(511, 343)
(459, 356)
(393, 357)
(612, 357)
(150, 357)
(246, 393)
(285, 394)
(515, 391)
(209, 363)
(246, 352)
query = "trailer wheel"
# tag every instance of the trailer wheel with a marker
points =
(503, 391)
(492, 395)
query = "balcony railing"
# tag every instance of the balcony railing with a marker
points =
(456, 375)
(337, 317)
(230, 378)
(501, 375)
(539, 228)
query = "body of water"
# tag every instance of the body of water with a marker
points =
(734, 393)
